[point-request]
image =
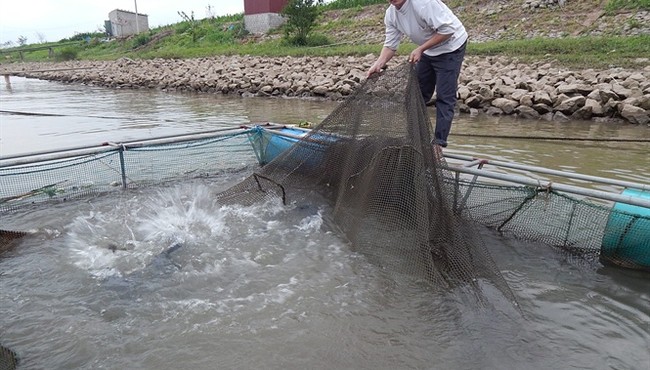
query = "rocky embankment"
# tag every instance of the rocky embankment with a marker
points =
(493, 86)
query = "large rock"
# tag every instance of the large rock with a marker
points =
(609, 93)
(596, 108)
(474, 101)
(506, 105)
(644, 102)
(635, 114)
(583, 113)
(560, 117)
(542, 97)
(542, 108)
(570, 105)
(527, 112)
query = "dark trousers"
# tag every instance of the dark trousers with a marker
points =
(440, 73)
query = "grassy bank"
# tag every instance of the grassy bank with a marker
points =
(337, 33)
(581, 52)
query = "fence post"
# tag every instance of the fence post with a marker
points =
(122, 166)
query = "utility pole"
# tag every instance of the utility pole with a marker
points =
(137, 25)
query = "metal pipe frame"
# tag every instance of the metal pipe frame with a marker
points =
(548, 171)
(542, 184)
(52, 155)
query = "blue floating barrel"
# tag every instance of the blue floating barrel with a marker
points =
(311, 150)
(627, 235)
(268, 144)
(278, 144)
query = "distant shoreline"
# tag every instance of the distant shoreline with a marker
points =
(492, 85)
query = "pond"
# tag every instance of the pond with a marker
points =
(266, 286)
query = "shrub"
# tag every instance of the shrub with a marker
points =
(140, 40)
(318, 40)
(68, 53)
(301, 19)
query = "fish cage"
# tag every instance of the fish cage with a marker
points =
(611, 227)
(69, 173)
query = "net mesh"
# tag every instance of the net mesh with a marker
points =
(614, 235)
(80, 175)
(8, 359)
(373, 162)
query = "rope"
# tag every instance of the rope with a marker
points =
(554, 138)
(17, 113)
(465, 135)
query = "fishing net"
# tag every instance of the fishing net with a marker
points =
(591, 232)
(8, 239)
(8, 359)
(372, 161)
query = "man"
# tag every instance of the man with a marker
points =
(441, 38)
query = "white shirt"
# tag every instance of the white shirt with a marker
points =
(420, 20)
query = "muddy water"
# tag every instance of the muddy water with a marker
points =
(104, 286)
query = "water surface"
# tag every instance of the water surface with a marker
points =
(102, 284)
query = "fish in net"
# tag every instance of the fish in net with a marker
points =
(372, 161)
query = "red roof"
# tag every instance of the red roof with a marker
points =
(263, 6)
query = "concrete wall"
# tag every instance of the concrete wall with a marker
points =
(263, 22)
(123, 23)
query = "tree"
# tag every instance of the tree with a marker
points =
(22, 40)
(301, 19)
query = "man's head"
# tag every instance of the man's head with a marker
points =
(397, 3)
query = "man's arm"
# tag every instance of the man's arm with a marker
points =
(436, 39)
(385, 55)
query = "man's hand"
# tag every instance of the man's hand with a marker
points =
(415, 56)
(385, 55)
(376, 68)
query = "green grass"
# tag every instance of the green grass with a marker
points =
(581, 52)
(592, 52)
(226, 36)
(614, 5)
(347, 4)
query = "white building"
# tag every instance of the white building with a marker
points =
(125, 23)
(260, 16)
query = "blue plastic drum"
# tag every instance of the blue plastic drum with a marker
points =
(627, 235)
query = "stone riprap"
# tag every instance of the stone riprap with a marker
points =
(494, 86)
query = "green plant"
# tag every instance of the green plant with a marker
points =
(347, 4)
(140, 40)
(84, 36)
(317, 40)
(67, 53)
(189, 25)
(301, 19)
(634, 23)
(614, 5)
